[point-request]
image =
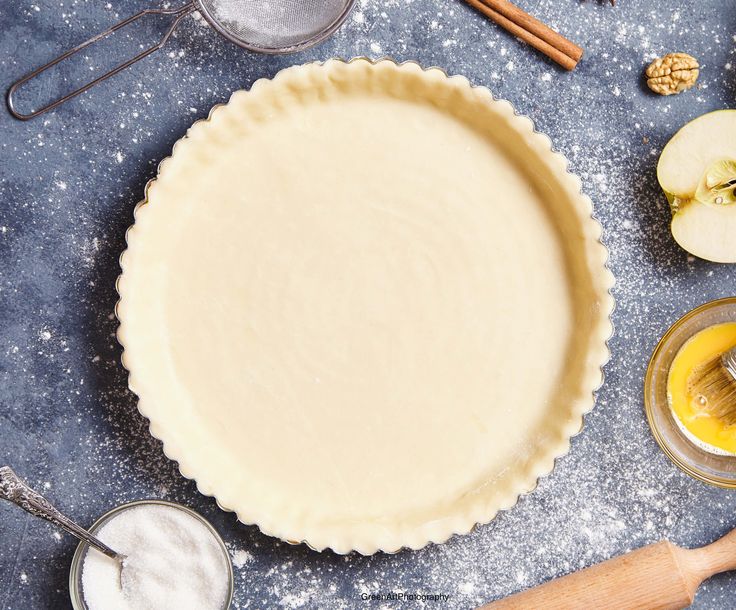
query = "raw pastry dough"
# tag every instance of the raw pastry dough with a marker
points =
(364, 305)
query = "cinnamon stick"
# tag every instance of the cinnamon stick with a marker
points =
(532, 31)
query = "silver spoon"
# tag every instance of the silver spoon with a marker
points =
(12, 488)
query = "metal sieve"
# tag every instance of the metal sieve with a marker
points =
(264, 26)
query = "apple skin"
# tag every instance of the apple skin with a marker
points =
(704, 229)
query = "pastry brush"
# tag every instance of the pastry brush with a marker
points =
(714, 385)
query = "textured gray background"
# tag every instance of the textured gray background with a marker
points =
(68, 185)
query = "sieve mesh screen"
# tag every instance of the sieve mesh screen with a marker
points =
(275, 24)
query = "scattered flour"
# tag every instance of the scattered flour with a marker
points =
(242, 558)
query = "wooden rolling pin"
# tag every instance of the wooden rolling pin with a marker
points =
(660, 576)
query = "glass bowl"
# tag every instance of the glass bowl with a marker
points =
(75, 573)
(712, 468)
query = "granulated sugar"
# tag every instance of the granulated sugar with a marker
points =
(172, 562)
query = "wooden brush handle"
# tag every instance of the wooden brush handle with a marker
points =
(660, 576)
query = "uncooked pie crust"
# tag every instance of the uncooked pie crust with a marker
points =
(364, 305)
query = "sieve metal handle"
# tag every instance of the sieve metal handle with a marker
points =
(178, 13)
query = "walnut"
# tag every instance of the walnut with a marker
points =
(672, 73)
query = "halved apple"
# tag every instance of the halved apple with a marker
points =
(697, 171)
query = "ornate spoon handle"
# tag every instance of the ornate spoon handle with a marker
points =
(12, 488)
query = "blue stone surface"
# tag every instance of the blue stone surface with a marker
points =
(69, 182)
